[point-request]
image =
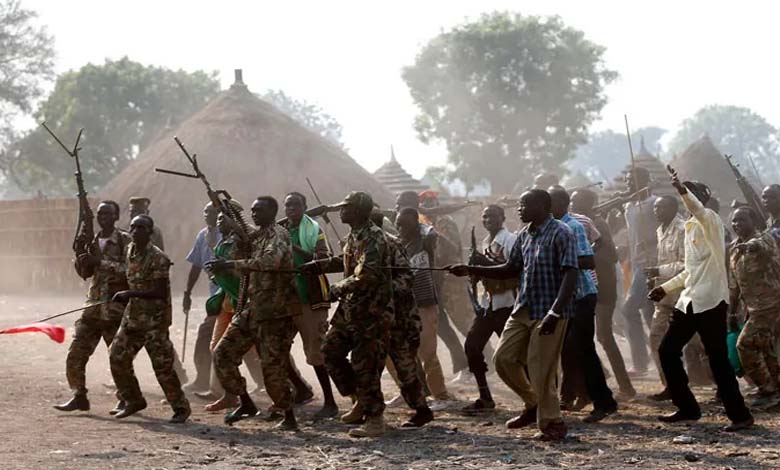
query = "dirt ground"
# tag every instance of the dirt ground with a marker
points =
(35, 436)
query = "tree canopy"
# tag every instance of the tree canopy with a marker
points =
(26, 62)
(737, 131)
(123, 106)
(508, 92)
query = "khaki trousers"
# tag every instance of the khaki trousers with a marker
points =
(434, 375)
(312, 325)
(520, 349)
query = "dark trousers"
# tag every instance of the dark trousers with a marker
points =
(711, 326)
(202, 353)
(479, 334)
(581, 364)
(605, 336)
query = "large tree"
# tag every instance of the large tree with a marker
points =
(734, 130)
(510, 95)
(310, 116)
(123, 106)
(26, 62)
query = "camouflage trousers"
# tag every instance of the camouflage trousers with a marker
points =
(89, 331)
(273, 340)
(367, 340)
(126, 345)
(757, 351)
(404, 366)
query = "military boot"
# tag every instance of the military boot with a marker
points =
(355, 415)
(374, 427)
(131, 409)
(78, 402)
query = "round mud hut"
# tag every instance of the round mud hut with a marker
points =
(248, 147)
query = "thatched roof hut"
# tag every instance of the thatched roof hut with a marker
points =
(246, 146)
(702, 161)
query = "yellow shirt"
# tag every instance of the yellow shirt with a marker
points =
(704, 281)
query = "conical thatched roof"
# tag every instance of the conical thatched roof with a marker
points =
(702, 161)
(250, 148)
(397, 180)
(659, 177)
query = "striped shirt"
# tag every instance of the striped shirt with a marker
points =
(542, 253)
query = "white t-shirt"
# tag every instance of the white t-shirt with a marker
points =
(500, 247)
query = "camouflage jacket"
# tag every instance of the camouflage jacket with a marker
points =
(755, 273)
(271, 295)
(109, 277)
(406, 317)
(144, 269)
(366, 287)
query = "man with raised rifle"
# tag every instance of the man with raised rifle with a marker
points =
(106, 263)
(267, 323)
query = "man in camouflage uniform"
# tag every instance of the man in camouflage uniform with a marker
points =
(362, 322)
(145, 324)
(755, 279)
(106, 264)
(268, 322)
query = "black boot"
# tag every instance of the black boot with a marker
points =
(120, 405)
(78, 402)
(246, 409)
(131, 409)
(288, 423)
(180, 416)
(421, 417)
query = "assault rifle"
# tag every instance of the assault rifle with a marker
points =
(83, 241)
(752, 198)
(474, 260)
(221, 200)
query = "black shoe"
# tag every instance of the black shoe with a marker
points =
(328, 410)
(78, 402)
(247, 409)
(599, 413)
(479, 406)
(663, 395)
(740, 425)
(303, 396)
(180, 416)
(120, 405)
(420, 418)
(679, 416)
(131, 409)
(288, 423)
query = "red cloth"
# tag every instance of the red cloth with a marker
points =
(56, 333)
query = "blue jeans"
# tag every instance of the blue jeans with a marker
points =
(635, 308)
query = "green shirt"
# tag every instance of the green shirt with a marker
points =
(301, 284)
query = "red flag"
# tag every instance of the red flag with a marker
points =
(56, 333)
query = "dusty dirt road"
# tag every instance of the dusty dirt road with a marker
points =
(34, 436)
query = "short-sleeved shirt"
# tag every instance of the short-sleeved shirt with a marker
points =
(498, 249)
(203, 251)
(593, 236)
(543, 253)
(145, 268)
(585, 284)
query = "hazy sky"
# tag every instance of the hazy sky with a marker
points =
(673, 56)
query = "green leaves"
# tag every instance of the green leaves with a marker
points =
(124, 107)
(510, 95)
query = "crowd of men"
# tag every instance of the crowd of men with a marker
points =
(548, 292)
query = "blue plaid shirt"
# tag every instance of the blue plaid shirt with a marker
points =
(585, 284)
(541, 253)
